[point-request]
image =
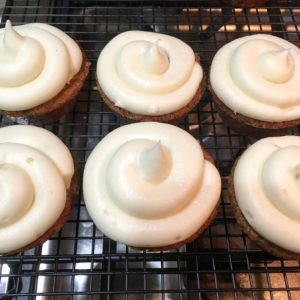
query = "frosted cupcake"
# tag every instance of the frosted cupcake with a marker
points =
(265, 194)
(146, 76)
(255, 84)
(41, 71)
(151, 186)
(38, 182)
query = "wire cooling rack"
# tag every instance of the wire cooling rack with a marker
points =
(81, 263)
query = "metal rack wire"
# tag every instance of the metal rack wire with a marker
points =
(81, 263)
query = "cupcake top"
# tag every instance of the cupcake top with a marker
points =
(36, 169)
(36, 62)
(258, 76)
(148, 185)
(268, 191)
(148, 73)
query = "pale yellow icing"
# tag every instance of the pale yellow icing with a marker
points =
(268, 191)
(148, 73)
(35, 171)
(149, 185)
(258, 76)
(36, 62)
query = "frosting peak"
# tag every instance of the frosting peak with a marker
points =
(12, 40)
(139, 168)
(155, 60)
(21, 59)
(276, 66)
(155, 163)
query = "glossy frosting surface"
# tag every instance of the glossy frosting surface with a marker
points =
(148, 185)
(36, 62)
(148, 73)
(268, 191)
(258, 76)
(36, 169)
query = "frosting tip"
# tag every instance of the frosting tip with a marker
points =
(154, 163)
(155, 60)
(8, 25)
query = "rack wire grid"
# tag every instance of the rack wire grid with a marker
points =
(79, 262)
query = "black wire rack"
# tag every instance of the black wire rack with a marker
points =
(81, 263)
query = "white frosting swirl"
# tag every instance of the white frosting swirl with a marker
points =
(258, 76)
(268, 191)
(148, 185)
(148, 73)
(36, 62)
(36, 169)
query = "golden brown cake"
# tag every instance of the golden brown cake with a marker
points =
(265, 195)
(151, 186)
(249, 126)
(254, 81)
(39, 182)
(41, 71)
(146, 76)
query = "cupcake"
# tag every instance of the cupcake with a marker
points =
(151, 186)
(38, 184)
(265, 194)
(245, 3)
(255, 85)
(146, 76)
(41, 71)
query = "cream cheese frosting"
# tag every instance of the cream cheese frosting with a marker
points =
(258, 76)
(148, 73)
(36, 169)
(148, 185)
(268, 191)
(36, 62)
